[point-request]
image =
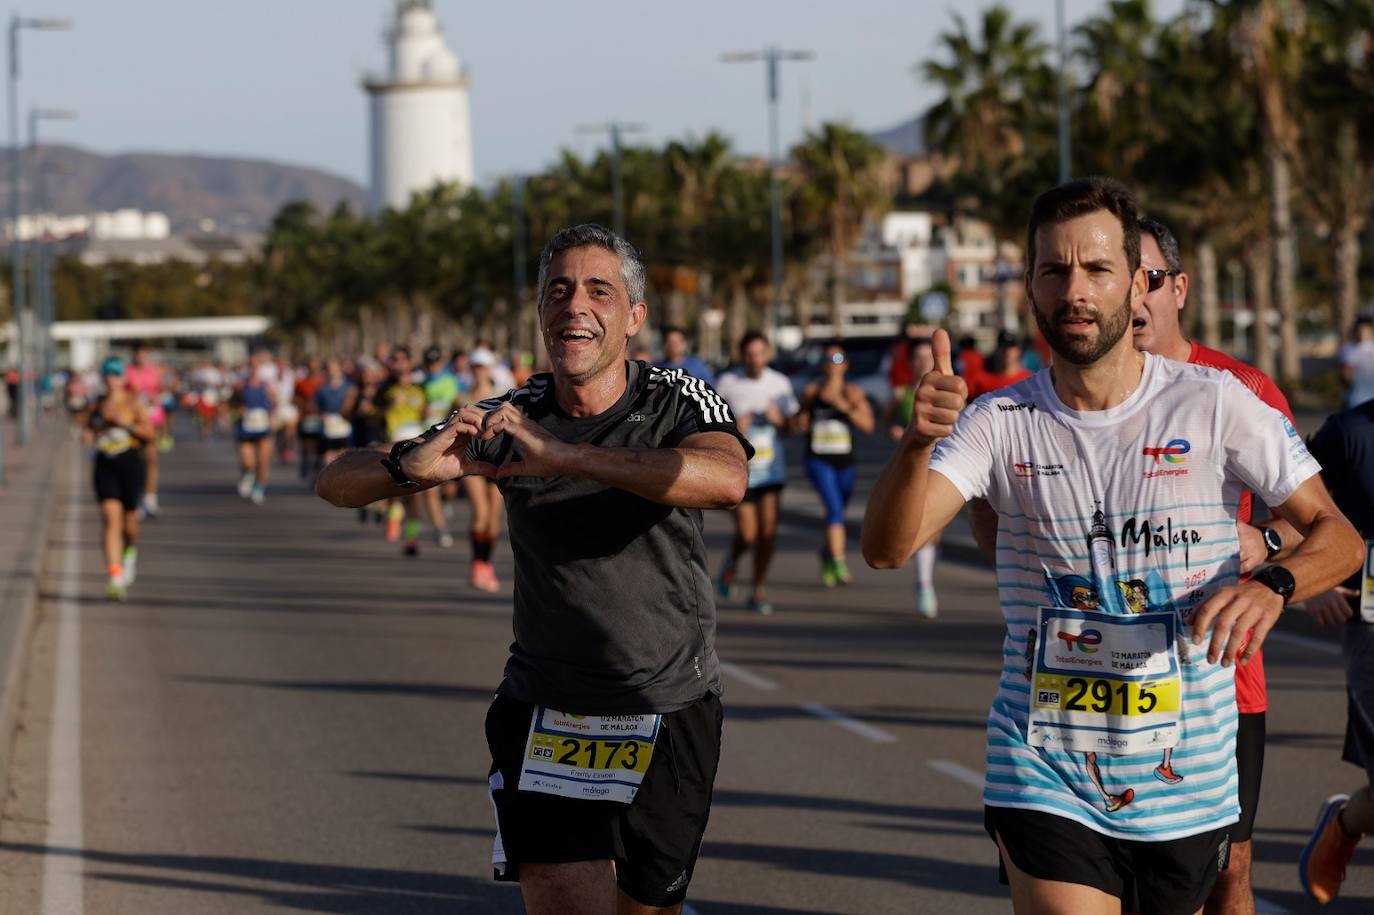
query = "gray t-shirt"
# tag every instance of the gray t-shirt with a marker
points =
(614, 610)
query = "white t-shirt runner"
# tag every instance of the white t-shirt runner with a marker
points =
(752, 397)
(1127, 518)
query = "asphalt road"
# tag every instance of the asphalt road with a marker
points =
(287, 716)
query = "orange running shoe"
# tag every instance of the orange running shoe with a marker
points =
(394, 516)
(1167, 775)
(1322, 866)
(483, 576)
(1116, 801)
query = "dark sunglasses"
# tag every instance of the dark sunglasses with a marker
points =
(1156, 277)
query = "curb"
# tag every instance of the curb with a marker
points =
(36, 491)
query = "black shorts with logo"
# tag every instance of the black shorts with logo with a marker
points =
(1161, 878)
(654, 841)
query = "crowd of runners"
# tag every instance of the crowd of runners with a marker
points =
(1133, 786)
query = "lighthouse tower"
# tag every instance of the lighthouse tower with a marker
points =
(421, 133)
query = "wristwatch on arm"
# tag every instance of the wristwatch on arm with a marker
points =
(392, 463)
(1276, 579)
(1273, 543)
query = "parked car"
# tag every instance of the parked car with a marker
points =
(870, 358)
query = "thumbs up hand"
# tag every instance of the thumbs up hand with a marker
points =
(940, 396)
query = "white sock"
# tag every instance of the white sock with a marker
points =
(925, 566)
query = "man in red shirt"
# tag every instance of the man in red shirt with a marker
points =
(1156, 329)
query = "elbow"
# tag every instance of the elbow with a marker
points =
(327, 489)
(879, 557)
(733, 489)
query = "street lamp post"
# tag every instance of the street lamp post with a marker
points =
(22, 318)
(771, 56)
(615, 129)
(41, 305)
(1063, 97)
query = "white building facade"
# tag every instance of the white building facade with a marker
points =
(421, 129)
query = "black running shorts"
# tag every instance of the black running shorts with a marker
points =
(120, 478)
(654, 841)
(1162, 878)
(1250, 769)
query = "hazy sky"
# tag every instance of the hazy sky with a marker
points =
(279, 79)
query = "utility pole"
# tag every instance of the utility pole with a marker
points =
(22, 319)
(517, 241)
(41, 306)
(772, 56)
(1064, 150)
(615, 129)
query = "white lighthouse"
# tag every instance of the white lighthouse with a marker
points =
(421, 132)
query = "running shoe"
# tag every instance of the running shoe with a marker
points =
(725, 582)
(411, 548)
(245, 485)
(288, 456)
(116, 592)
(829, 577)
(1167, 775)
(149, 505)
(395, 515)
(483, 576)
(760, 605)
(166, 443)
(444, 538)
(842, 572)
(258, 495)
(1116, 801)
(926, 605)
(130, 565)
(1322, 865)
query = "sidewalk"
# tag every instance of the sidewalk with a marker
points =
(26, 502)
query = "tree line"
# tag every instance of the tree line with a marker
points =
(1247, 125)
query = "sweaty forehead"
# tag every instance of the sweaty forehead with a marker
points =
(1151, 257)
(1094, 236)
(581, 265)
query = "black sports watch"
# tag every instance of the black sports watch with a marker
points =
(392, 463)
(1272, 542)
(1276, 579)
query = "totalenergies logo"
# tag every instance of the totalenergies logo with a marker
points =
(1174, 453)
(1085, 641)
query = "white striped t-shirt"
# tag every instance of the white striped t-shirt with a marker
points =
(1138, 501)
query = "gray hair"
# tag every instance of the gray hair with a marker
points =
(1168, 245)
(591, 235)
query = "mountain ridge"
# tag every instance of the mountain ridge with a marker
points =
(236, 192)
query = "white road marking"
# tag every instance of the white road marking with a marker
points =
(62, 873)
(1303, 641)
(747, 678)
(958, 772)
(853, 725)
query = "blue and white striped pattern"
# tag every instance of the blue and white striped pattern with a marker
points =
(1049, 471)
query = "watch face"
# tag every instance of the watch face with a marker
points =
(1272, 541)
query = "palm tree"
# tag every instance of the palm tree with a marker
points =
(1269, 36)
(842, 185)
(995, 119)
(1197, 171)
(696, 170)
(1116, 126)
(1335, 163)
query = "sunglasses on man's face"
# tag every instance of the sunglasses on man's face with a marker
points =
(1156, 277)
